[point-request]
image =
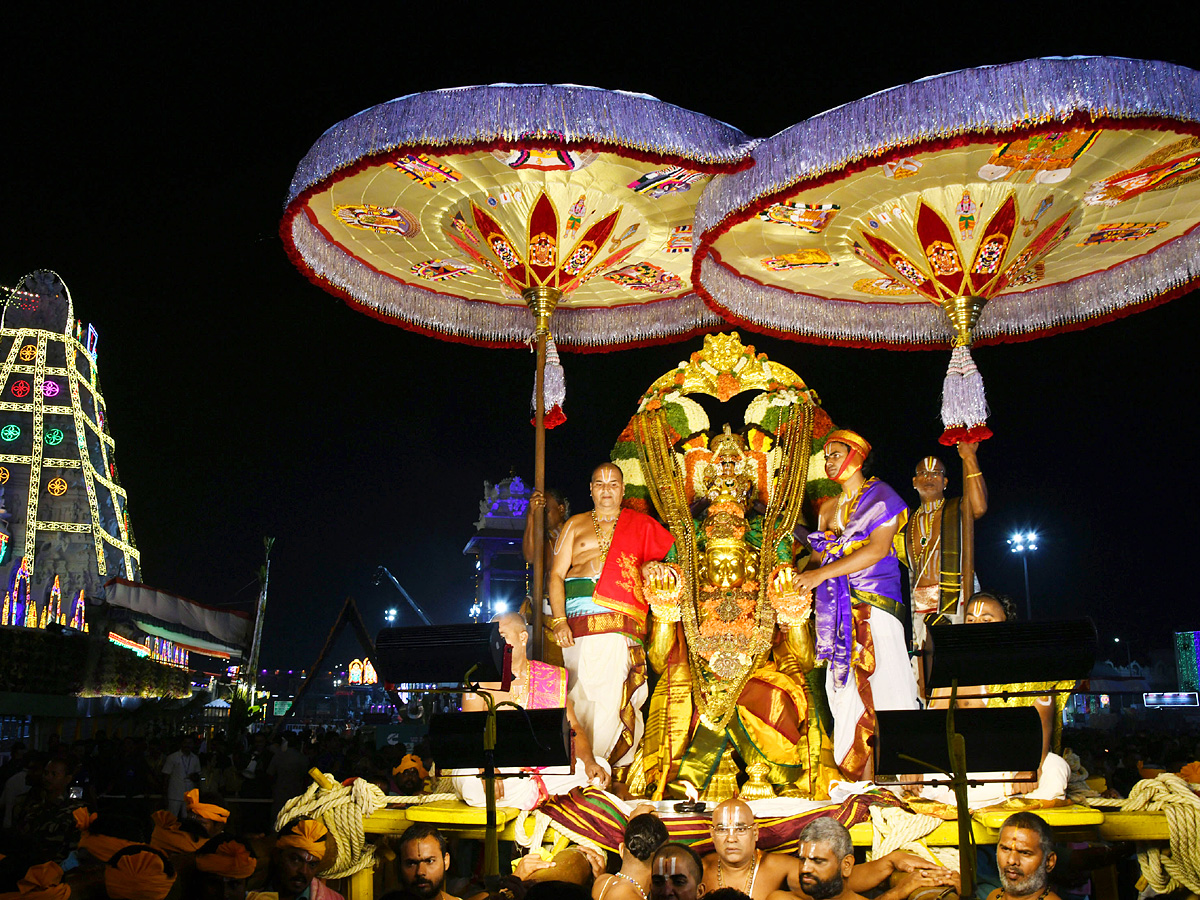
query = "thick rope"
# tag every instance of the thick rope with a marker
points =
(342, 809)
(1178, 866)
(893, 828)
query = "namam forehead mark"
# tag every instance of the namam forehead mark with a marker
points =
(612, 468)
(668, 864)
(817, 851)
(980, 607)
(733, 812)
(931, 465)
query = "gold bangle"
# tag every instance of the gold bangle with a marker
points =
(974, 474)
(555, 621)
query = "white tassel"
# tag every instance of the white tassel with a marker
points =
(554, 388)
(964, 403)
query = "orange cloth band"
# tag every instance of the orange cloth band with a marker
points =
(169, 838)
(411, 761)
(307, 835)
(83, 818)
(231, 860)
(102, 846)
(138, 876)
(41, 882)
(209, 811)
(851, 439)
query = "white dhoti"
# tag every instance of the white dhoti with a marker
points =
(892, 684)
(1052, 785)
(522, 793)
(598, 667)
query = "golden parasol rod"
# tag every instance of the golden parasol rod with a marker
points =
(542, 302)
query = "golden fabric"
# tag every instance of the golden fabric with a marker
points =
(1060, 701)
(209, 811)
(411, 761)
(139, 876)
(670, 717)
(851, 439)
(41, 882)
(307, 835)
(230, 860)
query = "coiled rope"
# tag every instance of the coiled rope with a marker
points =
(342, 809)
(1178, 865)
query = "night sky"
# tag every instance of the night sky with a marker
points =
(146, 160)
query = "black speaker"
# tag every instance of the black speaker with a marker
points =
(1010, 652)
(524, 737)
(441, 654)
(997, 740)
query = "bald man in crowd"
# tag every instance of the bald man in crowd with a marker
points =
(736, 861)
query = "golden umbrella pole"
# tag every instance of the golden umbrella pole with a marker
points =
(542, 302)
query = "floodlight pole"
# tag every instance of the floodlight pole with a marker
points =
(1028, 601)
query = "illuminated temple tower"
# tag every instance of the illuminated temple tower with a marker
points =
(67, 528)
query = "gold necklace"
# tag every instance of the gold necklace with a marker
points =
(749, 889)
(601, 540)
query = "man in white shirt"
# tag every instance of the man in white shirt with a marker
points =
(181, 771)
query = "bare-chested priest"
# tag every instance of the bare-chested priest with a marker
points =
(938, 545)
(738, 863)
(599, 613)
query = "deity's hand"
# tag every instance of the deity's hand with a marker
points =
(562, 634)
(663, 588)
(791, 606)
(596, 774)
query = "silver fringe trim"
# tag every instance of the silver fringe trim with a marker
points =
(510, 112)
(970, 100)
(806, 316)
(492, 322)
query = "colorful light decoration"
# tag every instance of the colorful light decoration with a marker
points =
(52, 613)
(139, 649)
(78, 619)
(369, 676)
(356, 672)
(76, 431)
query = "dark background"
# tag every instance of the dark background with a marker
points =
(146, 159)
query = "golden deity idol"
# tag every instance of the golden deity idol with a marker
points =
(729, 635)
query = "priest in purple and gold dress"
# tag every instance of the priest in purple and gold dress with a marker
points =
(858, 604)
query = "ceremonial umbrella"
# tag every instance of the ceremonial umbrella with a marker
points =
(457, 212)
(985, 205)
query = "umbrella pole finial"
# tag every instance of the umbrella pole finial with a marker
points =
(963, 313)
(542, 301)
(964, 404)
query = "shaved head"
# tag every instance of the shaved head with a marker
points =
(733, 812)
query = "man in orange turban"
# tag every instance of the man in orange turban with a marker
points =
(94, 840)
(172, 836)
(300, 849)
(211, 816)
(222, 867)
(138, 873)
(42, 882)
(858, 605)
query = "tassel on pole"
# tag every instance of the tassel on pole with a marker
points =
(964, 402)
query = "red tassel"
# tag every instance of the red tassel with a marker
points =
(552, 418)
(952, 436)
(977, 433)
